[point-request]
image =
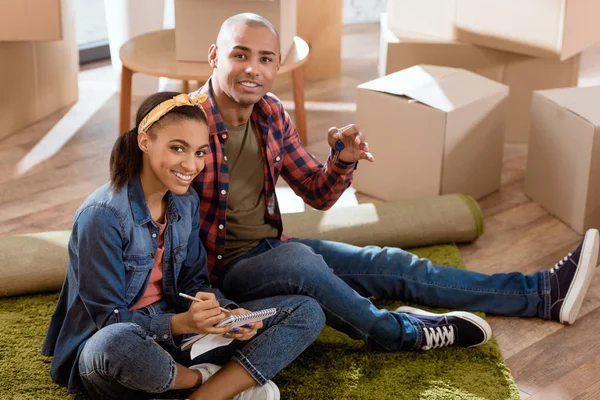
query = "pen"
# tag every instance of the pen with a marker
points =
(187, 296)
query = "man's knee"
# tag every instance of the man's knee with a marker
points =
(298, 258)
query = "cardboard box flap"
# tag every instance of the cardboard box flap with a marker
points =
(582, 101)
(439, 87)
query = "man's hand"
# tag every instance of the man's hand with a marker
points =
(244, 332)
(355, 146)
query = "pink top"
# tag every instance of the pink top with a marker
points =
(153, 292)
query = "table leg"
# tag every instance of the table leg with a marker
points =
(125, 107)
(185, 87)
(300, 111)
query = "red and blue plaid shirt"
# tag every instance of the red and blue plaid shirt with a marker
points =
(319, 185)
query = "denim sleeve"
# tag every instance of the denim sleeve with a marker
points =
(101, 271)
(157, 326)
(193, 277)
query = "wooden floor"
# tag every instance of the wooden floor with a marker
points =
(48, 169)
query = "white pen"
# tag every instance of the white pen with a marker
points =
(187, 296)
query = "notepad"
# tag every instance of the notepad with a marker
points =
(203, 343)
(241, 319)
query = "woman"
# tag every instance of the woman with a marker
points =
(118, 324)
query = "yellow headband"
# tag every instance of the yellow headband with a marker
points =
(180, 100)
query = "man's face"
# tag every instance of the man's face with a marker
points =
(246, 63)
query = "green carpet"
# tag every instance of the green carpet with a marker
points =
(334, 367)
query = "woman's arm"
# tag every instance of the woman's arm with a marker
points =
(100, 238)
(101, 271)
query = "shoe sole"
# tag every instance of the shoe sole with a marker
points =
(581, 281)
(474, 319)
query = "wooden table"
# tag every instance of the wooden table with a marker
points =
(154, 54)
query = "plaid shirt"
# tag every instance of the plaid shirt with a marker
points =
(319, 185)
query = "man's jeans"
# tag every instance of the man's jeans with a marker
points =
(121, 362)
(341, 277)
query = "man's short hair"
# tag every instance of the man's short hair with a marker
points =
(249, 19)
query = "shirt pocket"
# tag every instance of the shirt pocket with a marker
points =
(137, 270)
(179, 256)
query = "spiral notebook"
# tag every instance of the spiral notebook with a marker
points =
(205, 342)
(241, 319)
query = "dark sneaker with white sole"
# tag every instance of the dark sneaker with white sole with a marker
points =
(456, 328)
(571, 277)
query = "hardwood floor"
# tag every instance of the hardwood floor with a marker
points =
(49, 169)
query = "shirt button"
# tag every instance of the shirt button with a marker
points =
(165, 336)
(116, 311)
(219, 257)
(277, 158)
(223, 191)
(221, 226)
(153, 336)
(224, 136)
(154, 235)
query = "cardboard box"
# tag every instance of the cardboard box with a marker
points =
(435, 130)
(556, 29)
(415, 17)
(545, 28)
(320, 25)
(38, 78)
(31, 20)
(563, 162)
(197, 23)
(523, 74)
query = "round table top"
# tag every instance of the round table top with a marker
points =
(153, 54)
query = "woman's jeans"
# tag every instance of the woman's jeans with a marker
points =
(121, 362)
(341, 277)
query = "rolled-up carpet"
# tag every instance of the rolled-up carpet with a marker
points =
(37, 262)
(33, 262)
(452, 218)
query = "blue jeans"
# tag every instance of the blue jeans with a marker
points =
(341, 277)
(121, 362)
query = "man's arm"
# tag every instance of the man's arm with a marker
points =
(319, 185)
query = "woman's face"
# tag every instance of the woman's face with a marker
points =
(175, 154)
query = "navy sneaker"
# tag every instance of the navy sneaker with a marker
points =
(456, 328)
(571, 277)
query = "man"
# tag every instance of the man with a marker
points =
(253, 142)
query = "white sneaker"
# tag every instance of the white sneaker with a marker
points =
(269, 391)
(206, 370)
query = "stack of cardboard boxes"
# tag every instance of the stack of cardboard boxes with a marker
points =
(38, 61)
(525, 46)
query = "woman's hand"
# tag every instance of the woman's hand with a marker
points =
(200, 317)
(244, 332)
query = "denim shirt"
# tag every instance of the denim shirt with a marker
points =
(111, 256)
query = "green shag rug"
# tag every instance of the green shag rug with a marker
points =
(334, 367)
